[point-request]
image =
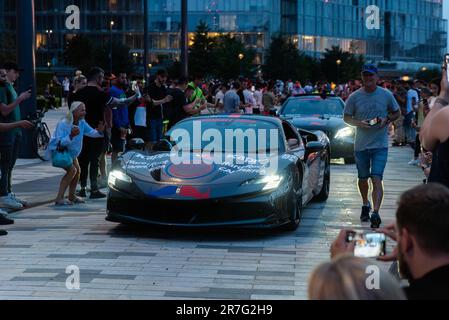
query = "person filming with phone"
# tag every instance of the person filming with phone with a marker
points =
(422, 235)
(371, 109)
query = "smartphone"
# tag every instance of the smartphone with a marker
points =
(368, 245)
(446, 63)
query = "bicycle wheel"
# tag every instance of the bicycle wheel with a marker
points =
(41, 140)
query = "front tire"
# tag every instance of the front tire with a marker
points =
(295, 218)
(324, 193)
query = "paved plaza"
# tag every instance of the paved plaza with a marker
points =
(129, 262)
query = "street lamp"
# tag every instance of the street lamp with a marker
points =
(111, 24)
(241, 56)
(338, 71)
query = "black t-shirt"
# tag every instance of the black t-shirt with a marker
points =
(156, 93)
(433, 286)
(176, 108)
(95, 101)
(241, 96)
(132, 108)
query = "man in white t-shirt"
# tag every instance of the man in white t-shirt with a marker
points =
(66, 86)
(219, 97)
(250, 102)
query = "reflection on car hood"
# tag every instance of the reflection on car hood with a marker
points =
(162, 168)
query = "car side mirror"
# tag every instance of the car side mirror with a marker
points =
(314, 146)
(273, 112)
(136, 144)
(292, 143)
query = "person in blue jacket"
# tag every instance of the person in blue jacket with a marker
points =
(69, 133)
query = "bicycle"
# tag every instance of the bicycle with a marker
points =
(41, 135)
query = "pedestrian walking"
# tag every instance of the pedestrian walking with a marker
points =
(371, 109)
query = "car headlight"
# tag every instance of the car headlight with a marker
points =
(345, 132)
(270, 181)
(117, 175)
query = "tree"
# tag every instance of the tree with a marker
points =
(121, 59)
(231, 58)
(201, 51)
(79, 53)
(8, 49)
(428, 75)
(341, 66)
(284, 61)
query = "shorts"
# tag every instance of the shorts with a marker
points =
(156, 127)
(371, 163)
(142, 133)
(118, 144)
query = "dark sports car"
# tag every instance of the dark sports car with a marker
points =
(312, 112)
(260, 175)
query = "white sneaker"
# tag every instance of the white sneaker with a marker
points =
(414, 162)
(8, 202)
(14, 197)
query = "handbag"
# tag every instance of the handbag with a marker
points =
(61, 157)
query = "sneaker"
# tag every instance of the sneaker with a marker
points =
(364, 216)
(97, 195)
(8, 202)
(3, 232)
(21, 201)
(82, 193)
(375, 220)
(414, 162)
(4, 220)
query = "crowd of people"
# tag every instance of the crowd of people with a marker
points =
(105, 112)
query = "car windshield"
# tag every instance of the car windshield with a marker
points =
(225, 134)
(313, 107)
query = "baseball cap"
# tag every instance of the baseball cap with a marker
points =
(370, 68)
(12, 66)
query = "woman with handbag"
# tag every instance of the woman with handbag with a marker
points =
(65, 146)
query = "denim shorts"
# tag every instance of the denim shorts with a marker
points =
(156, 127)
(371, 163)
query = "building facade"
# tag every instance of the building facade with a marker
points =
(411, 30)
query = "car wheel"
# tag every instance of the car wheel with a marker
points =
(295, 219)
(324, 193)
(350, 160)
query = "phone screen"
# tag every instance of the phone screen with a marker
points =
(369, 245)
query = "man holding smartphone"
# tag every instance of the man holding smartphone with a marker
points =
(370, 109)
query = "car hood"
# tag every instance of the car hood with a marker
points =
(328, 124)
(158, 175)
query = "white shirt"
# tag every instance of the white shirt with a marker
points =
(66, 84)
(249, 99)
(140, 117)
(258, 97)
(219, 97)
